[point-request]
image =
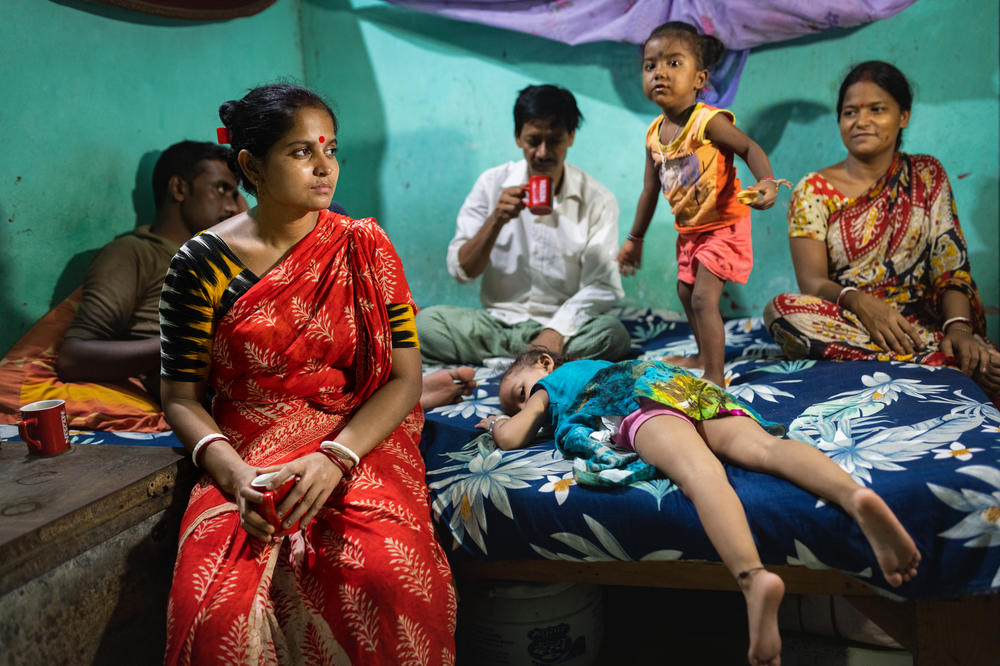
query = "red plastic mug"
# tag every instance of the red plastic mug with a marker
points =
(272, 499)
(43, 427)
(539, 195)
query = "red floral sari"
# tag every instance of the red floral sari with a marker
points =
(899, 241)
(366, 582)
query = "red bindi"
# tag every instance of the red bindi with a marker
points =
(322, 139)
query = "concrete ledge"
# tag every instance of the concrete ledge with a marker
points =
(87, 546)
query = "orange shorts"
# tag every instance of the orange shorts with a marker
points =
(727, 252)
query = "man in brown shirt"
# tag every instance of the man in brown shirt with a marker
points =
(115, 333)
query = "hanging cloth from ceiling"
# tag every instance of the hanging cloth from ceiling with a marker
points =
(740, 24)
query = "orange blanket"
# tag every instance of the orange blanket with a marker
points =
(27, 374)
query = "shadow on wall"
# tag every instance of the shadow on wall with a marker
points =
(142, 201)
(72, 276)
(985, 254)
(339, 54)
(809, 40)
(9, 305)
(768, 125)
(544, 59)
(116, 14)
(142, 193)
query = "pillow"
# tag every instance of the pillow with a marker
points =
(28, 373)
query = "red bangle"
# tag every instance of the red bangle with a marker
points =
(344, 469)
(840, 296)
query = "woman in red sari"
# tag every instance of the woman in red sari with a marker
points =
(877, 248)
(300, 322)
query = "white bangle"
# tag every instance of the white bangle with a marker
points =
(205, 441)
(955, 320)
(342, 451)
(840, 296)
(496, 420)
(778, 182)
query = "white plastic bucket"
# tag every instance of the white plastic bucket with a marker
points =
(529, 624)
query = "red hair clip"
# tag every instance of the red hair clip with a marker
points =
(223, 134)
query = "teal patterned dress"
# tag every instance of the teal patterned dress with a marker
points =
(587, 398)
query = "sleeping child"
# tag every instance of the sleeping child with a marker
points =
(687, 428)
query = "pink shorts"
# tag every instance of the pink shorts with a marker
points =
(625, 439)
(727, 252)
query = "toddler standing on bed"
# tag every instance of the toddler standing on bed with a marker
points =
(687, 427)
(689, 154)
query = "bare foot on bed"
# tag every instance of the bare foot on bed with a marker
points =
(685, 361)
(895, 551)
(445, 387)
(763, 592)
(989, 378)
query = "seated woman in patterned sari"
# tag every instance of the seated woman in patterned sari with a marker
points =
(877, 248)
(301, 323)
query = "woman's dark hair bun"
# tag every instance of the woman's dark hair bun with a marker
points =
(226, 112)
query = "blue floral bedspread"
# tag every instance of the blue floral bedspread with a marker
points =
(926, 439)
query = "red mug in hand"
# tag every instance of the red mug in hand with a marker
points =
(539, 195)
(272, 499)
(43, 427)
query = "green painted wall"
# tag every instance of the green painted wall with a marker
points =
(90, 96)
(425, 106)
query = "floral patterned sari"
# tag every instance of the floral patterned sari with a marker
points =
(900, 241)
(365, 582)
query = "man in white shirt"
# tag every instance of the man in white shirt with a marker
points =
(547, 280)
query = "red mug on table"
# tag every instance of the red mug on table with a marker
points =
(272, 499)
(43, 427)
(539, 195)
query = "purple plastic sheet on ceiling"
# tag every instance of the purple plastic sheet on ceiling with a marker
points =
(740, 24)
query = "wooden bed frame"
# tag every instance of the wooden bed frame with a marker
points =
(940, 632)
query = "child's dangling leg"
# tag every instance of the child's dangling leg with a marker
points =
(674, 446)
(741, 441)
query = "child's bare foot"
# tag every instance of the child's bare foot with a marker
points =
(895, 551)
(763, 592)
(685, 361)
(446, 387)
(989, 377)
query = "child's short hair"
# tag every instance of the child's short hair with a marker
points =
(546, 102)
(530, 356)
(707, 48)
